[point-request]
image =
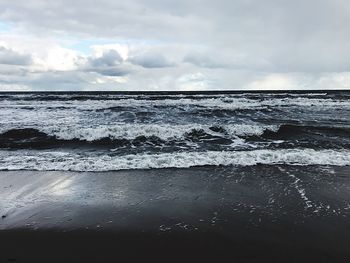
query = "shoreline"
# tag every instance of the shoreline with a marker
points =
(247, 214)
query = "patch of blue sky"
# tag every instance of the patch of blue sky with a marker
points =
(4, 26)
(84, 46)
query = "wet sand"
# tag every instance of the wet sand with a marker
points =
(244, 214)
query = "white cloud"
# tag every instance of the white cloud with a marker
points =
(274, 82)
(193, 82)
(14, 87)
(334, 81)
(57, 58)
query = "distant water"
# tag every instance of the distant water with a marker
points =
(115, 131)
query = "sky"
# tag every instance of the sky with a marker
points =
(138, 45)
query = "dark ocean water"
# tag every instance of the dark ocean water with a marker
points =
(115, 131)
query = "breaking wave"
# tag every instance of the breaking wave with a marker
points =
(121, 134)
(212, 102)
(124, 134)
(63, 161)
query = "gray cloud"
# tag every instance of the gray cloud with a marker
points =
(252, 40)
(111, 71)
(57, 80)
(212, 59)
(290, 35)
(10, 57)
(151, 60)
(109, 58)
(203, 60)
(109, 64)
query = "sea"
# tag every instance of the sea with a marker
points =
(111, 131)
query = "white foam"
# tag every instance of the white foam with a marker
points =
(123, 131)
(247, 129)
(132, 131)
(81, 114)
(162, 131)
(230, 103)
(50, 160)
(220, 102)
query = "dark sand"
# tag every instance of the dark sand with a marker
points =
(249, 214)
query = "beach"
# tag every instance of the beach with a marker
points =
(174, 131)
(262, 213)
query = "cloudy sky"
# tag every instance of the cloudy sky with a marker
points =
(174, 45)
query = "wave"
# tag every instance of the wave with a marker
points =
(162, 134)
(64, 161)
(171, 131)
(225, 103)
(123, 134)
(214, 102)
(35, 139)
(292, 131)
(158, 95)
